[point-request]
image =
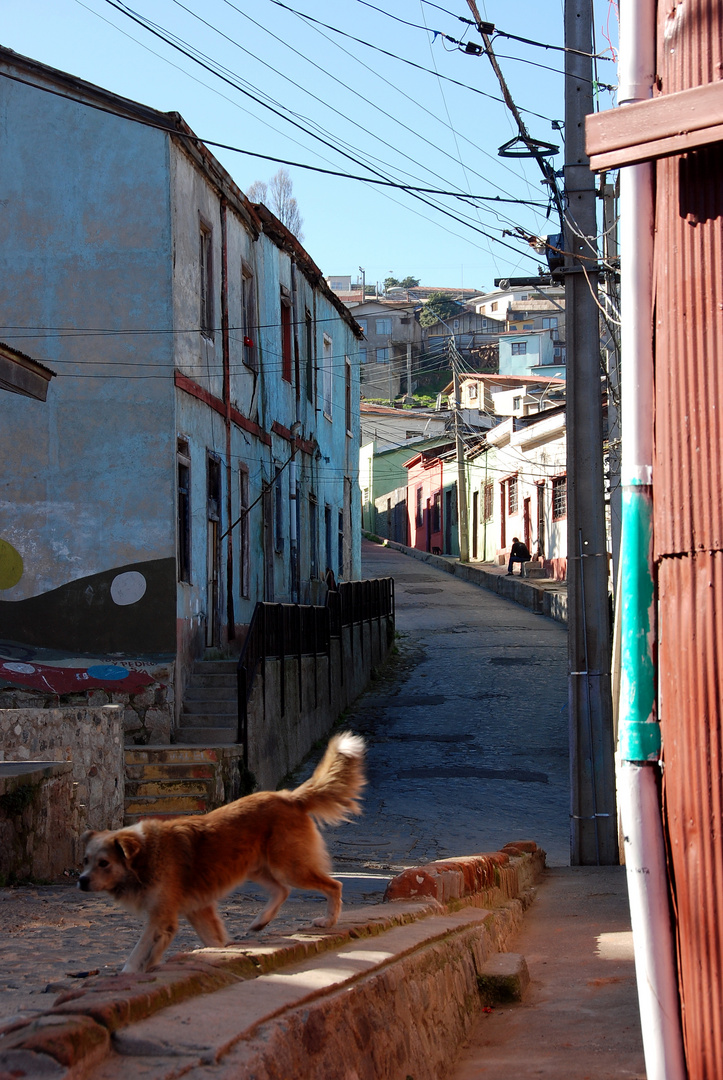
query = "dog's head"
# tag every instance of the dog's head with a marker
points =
(108, 861)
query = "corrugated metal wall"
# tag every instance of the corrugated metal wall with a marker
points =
(688, 487)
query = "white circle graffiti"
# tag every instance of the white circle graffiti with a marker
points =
(128, 588)
(20, 669)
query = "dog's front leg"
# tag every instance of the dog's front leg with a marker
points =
(208, 924)
(155, 939)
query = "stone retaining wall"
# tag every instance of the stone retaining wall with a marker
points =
(90, 738)
(39, 821)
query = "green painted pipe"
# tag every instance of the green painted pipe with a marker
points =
(638, 729)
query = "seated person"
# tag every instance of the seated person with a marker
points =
(519, 552)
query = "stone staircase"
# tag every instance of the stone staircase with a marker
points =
(188, 776)
(169, 781)
(209, 714)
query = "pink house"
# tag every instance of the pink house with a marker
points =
(425, 504)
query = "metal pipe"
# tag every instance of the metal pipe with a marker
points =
(639, 730)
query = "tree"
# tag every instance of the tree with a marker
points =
(278, 195)
(437, 307)
(405, 283)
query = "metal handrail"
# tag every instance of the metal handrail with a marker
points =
(282, 630)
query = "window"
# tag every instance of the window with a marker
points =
(519, 348)
(473, 391)
(549, 322)
(278, 510)
(383, 327)
(328, 538)
(488, 507)
(327, 376)
(206, 288)
(494, 306)
(310, 358)
(313, 538)
(516, 403)
(340, 545)
(559, 497)
(559, 353)
(286, 358)
(347, 394)
(512, 496)
(184, 512)
(437, 512)
(244, 576)
(382, 356)
(420, 515)
(363, 325)
(248, 319)
(527, 326)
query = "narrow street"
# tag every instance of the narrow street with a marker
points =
(467, 727)
(467, 750)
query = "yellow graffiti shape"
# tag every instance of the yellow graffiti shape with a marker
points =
(11, 565)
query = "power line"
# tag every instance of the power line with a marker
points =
(169, 129)
(401, 59)
(164, 36)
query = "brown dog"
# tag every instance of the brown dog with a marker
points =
(164, 869)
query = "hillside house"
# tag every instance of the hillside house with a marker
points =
(200, 451)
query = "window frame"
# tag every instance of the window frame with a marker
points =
(206, 298)
(184, 517)
(513, 496)
(248, 317)
(327, 377)
(559, 484)
(287, 357)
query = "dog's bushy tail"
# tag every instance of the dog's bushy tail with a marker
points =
(332, 793)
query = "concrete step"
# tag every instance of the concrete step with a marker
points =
(215, 667)
(174, 754)
(209, 736)
(166, 804)
(207, 719)
(209, 703)
(133, 819)
(211, 681)
(149, 789)
(167, 770)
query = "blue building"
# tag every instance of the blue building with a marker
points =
(200, 449)
(530, 352)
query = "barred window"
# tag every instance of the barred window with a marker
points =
(488, 505)
(512, 496)
(559, 497)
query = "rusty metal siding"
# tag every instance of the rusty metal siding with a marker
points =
(688, 509)
(691, 667)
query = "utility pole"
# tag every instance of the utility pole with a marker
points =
(593, 819)
(463, 529)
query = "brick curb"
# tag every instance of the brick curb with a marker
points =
(549, 599)
(76, 1033)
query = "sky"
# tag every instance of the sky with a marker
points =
(373, 93)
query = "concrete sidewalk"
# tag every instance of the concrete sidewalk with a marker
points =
(579, 1018)
(541, 595)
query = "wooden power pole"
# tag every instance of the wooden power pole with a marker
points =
(593, 832)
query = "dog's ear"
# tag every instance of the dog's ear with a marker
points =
(87, 835)
(129, 846)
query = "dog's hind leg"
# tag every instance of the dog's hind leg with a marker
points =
(277, 894)
(306, 877)
(208, 924)
(158, 934)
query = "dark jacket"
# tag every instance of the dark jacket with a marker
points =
(520, 551)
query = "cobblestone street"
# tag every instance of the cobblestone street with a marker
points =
(467, 733)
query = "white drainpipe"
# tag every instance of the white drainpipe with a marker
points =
(639, 731)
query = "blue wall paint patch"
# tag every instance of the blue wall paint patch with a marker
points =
(109, 672)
